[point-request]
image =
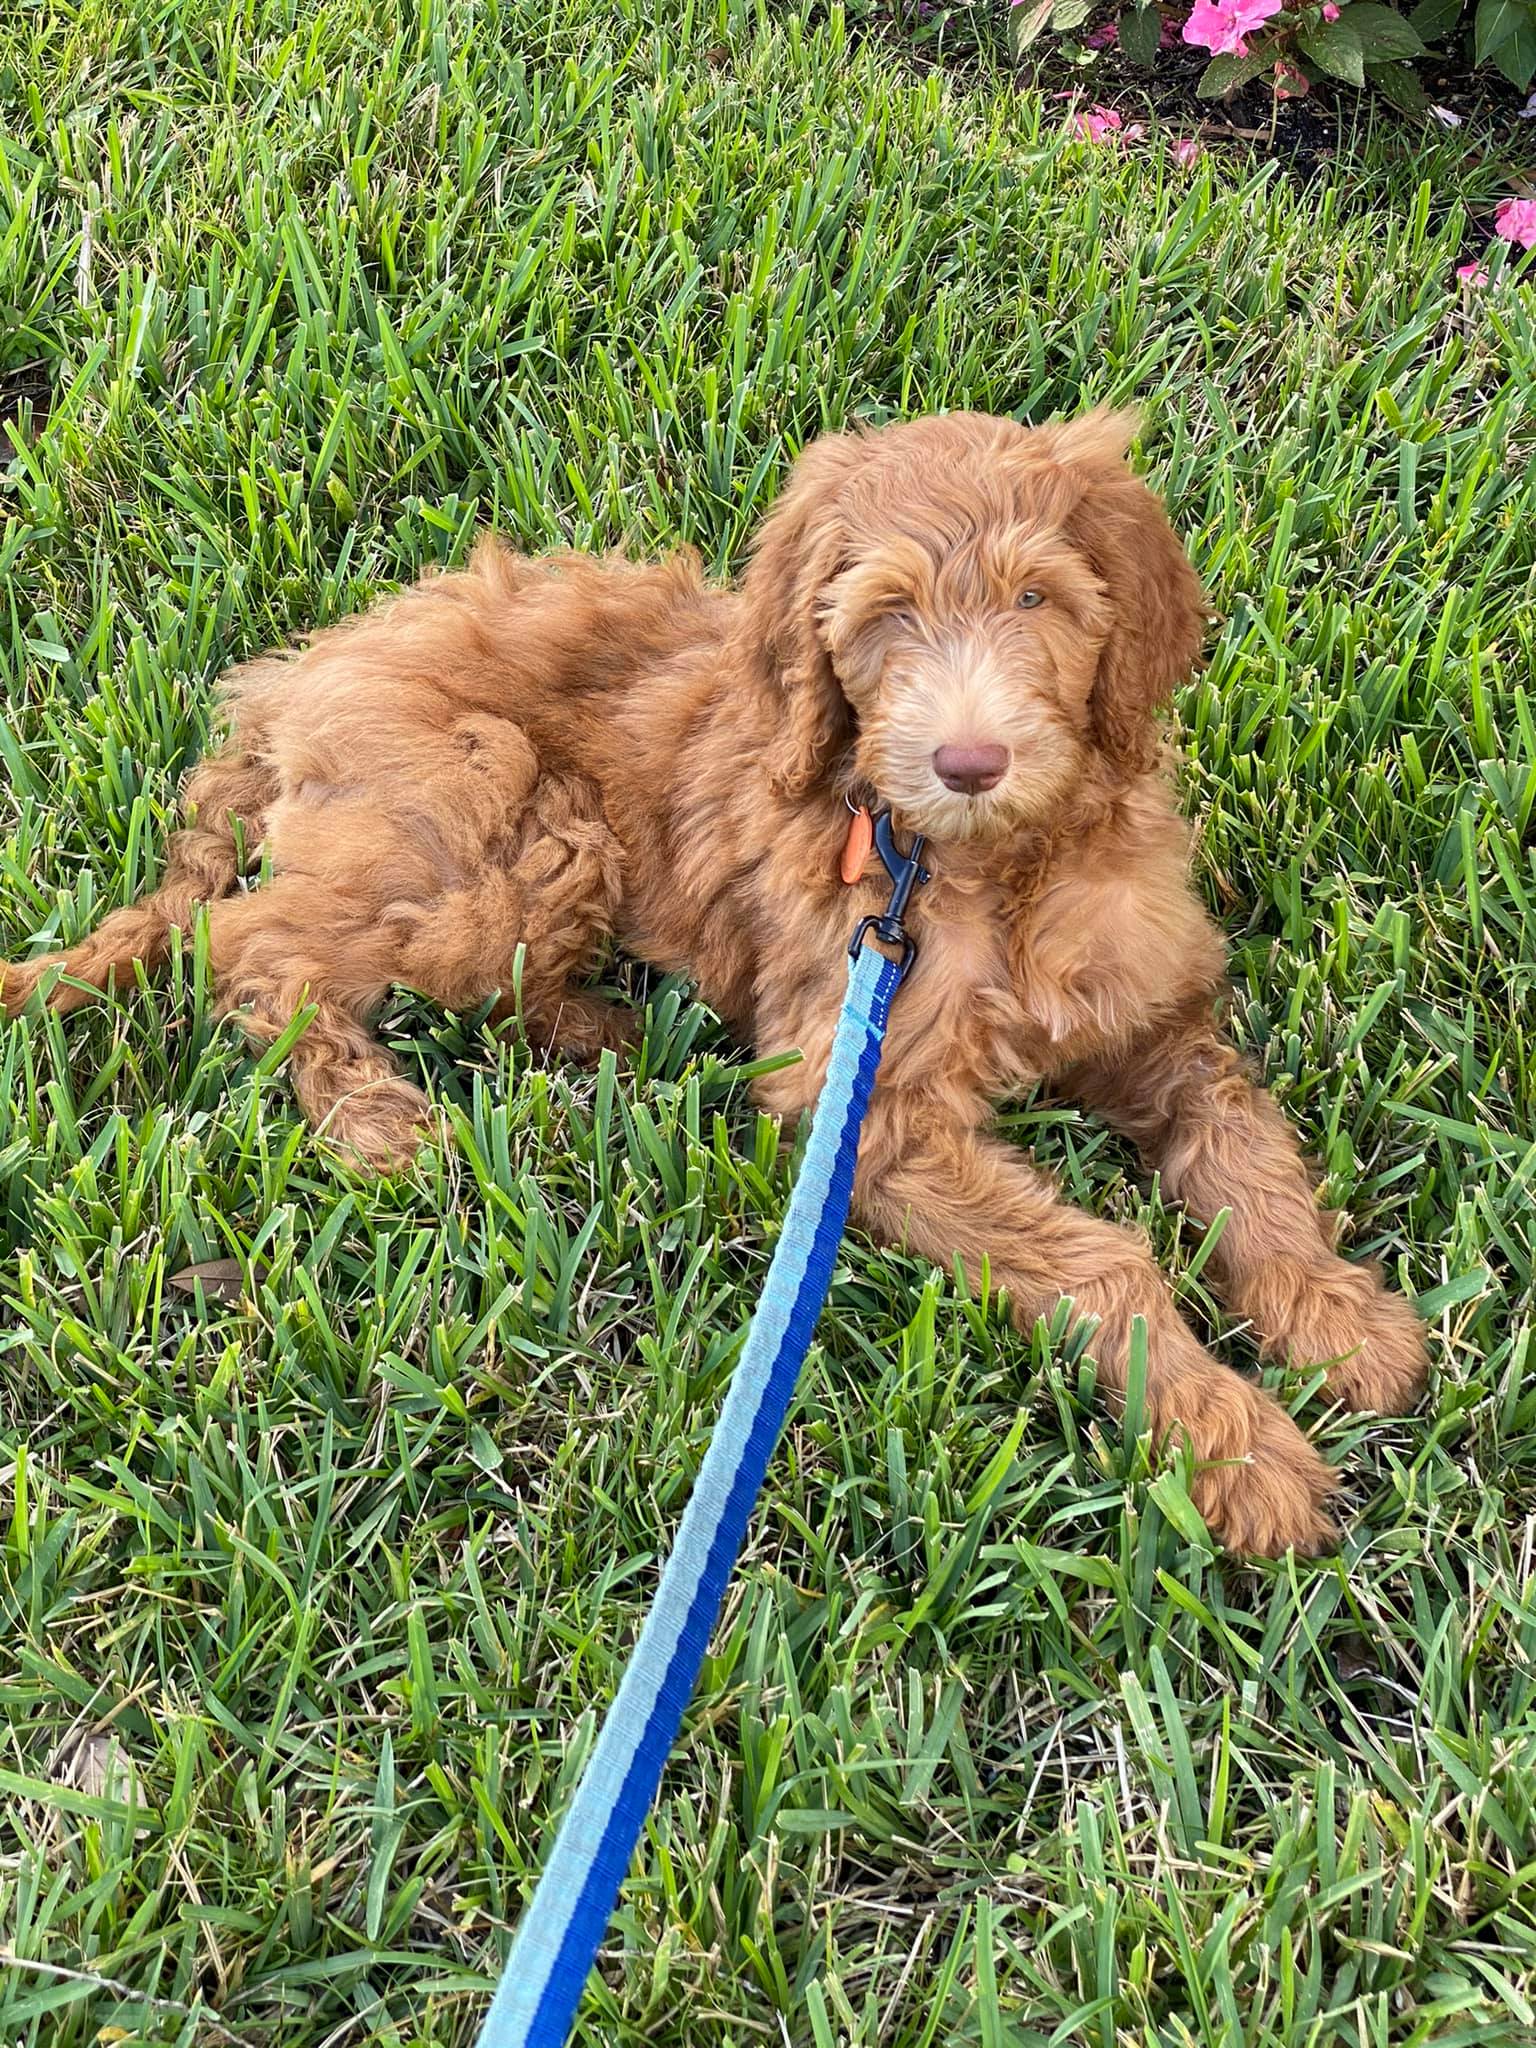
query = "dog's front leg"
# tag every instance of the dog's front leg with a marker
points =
(946, 1191)
(1219, 1142)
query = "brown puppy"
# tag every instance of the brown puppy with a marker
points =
(978, 622)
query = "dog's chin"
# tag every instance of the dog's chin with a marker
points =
(1016, 805)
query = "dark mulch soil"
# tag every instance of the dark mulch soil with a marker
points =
(1304, 134)
(1307, 133)
(25, 395)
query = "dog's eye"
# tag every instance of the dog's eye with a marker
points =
(1028, 599)
(906, 620)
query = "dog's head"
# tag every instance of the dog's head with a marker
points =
(963, 612)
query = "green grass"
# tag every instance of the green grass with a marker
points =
(312, 1585)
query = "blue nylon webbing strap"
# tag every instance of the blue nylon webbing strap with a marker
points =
(561, 1931)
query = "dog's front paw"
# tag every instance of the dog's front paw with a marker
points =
(1272, 1497)
(1370, 1339)
(380, 1127)
(1386, 1368)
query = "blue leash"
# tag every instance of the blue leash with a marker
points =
(558, 1939)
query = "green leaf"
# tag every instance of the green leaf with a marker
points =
(815, 1820)
(1140, 33)
(1070, 13)
(1396, 82)
(1383, 32)
(1465, 1287)
(1168, 1490)
(1498, 21)
(1335, 47)
(1434, 20)
(1026, 23)
(1516, 55)
(1224, 75)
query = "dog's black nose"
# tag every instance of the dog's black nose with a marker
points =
(970, 770)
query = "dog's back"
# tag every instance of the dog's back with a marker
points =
(422, 778)
(369, 715)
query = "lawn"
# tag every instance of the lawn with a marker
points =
(314, 1576)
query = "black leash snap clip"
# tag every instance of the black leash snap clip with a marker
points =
(906, 870)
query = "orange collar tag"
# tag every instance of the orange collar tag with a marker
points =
(856, 847)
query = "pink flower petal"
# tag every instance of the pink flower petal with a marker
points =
(1515, 221)
(1221, 26)
(1330, 12)
(1099, 124)
(1207, 28)
(1472, 274)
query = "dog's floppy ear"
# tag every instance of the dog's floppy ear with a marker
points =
(1159, 608)
(802, 546)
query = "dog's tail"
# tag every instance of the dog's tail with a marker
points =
(227, 792)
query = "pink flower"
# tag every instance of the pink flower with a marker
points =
(1330, 12)
(1187, 150)
(1290, 82)
(1220, 26)
(1515, 221)
(1472, 274)
(1097, 125)
(1103, 124)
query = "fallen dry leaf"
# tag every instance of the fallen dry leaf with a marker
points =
(93, 1762)
(220, 1279)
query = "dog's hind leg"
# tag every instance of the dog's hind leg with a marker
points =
(530, 923)
(225, 800)
(494, 879)
(279, 951)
